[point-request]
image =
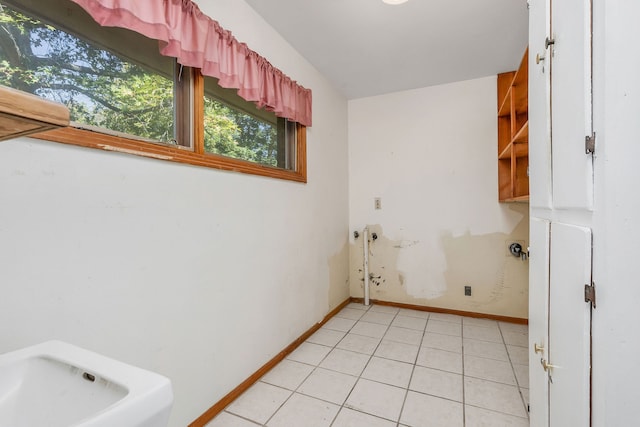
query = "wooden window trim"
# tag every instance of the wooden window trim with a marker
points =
(186, 155)
(101, 141)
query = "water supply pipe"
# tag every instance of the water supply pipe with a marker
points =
(365, 246)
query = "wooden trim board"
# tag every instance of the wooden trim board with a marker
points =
(203, 419)
(508, 319)
(176, 153)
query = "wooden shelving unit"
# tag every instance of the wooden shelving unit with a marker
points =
(23, 114)
(513, 133)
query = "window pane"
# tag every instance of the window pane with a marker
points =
(236, 128)
(101, 89)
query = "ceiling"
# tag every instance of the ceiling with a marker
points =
(366, 47)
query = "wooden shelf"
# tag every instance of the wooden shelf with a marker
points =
(504, 109)
(506, 153)
(504, 86)
(521, 150)
(522, 135)
(513, 133)
(23, 114)
(517, 199)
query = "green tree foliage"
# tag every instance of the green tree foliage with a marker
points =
(236, 134)
(99, 88)
(104, 90)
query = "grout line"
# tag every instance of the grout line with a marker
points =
(464, 397)
(315, 368)
(370, 357)
(514, 372)
(244, 418)
(367, 364)
(281, 405)
(342, 406)
(413, 369)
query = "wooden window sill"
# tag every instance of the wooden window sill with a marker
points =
(178, 154)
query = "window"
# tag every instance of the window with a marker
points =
(232, 129)
(131, 99)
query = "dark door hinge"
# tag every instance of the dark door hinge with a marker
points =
(590, 295)
(590, 143)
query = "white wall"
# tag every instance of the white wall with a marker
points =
(430, 154)
(198, 274)
(616, 97)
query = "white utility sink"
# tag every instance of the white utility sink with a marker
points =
(56, 384)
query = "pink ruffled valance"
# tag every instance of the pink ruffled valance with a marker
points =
(198, 41)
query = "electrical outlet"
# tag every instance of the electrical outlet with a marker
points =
(377, 203)
(467, 291)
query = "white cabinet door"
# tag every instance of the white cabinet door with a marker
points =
(539, 105)
(561, 188)
(569, 326)
(571, 103)
(538, 321)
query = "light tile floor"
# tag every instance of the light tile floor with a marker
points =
(382, 366)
